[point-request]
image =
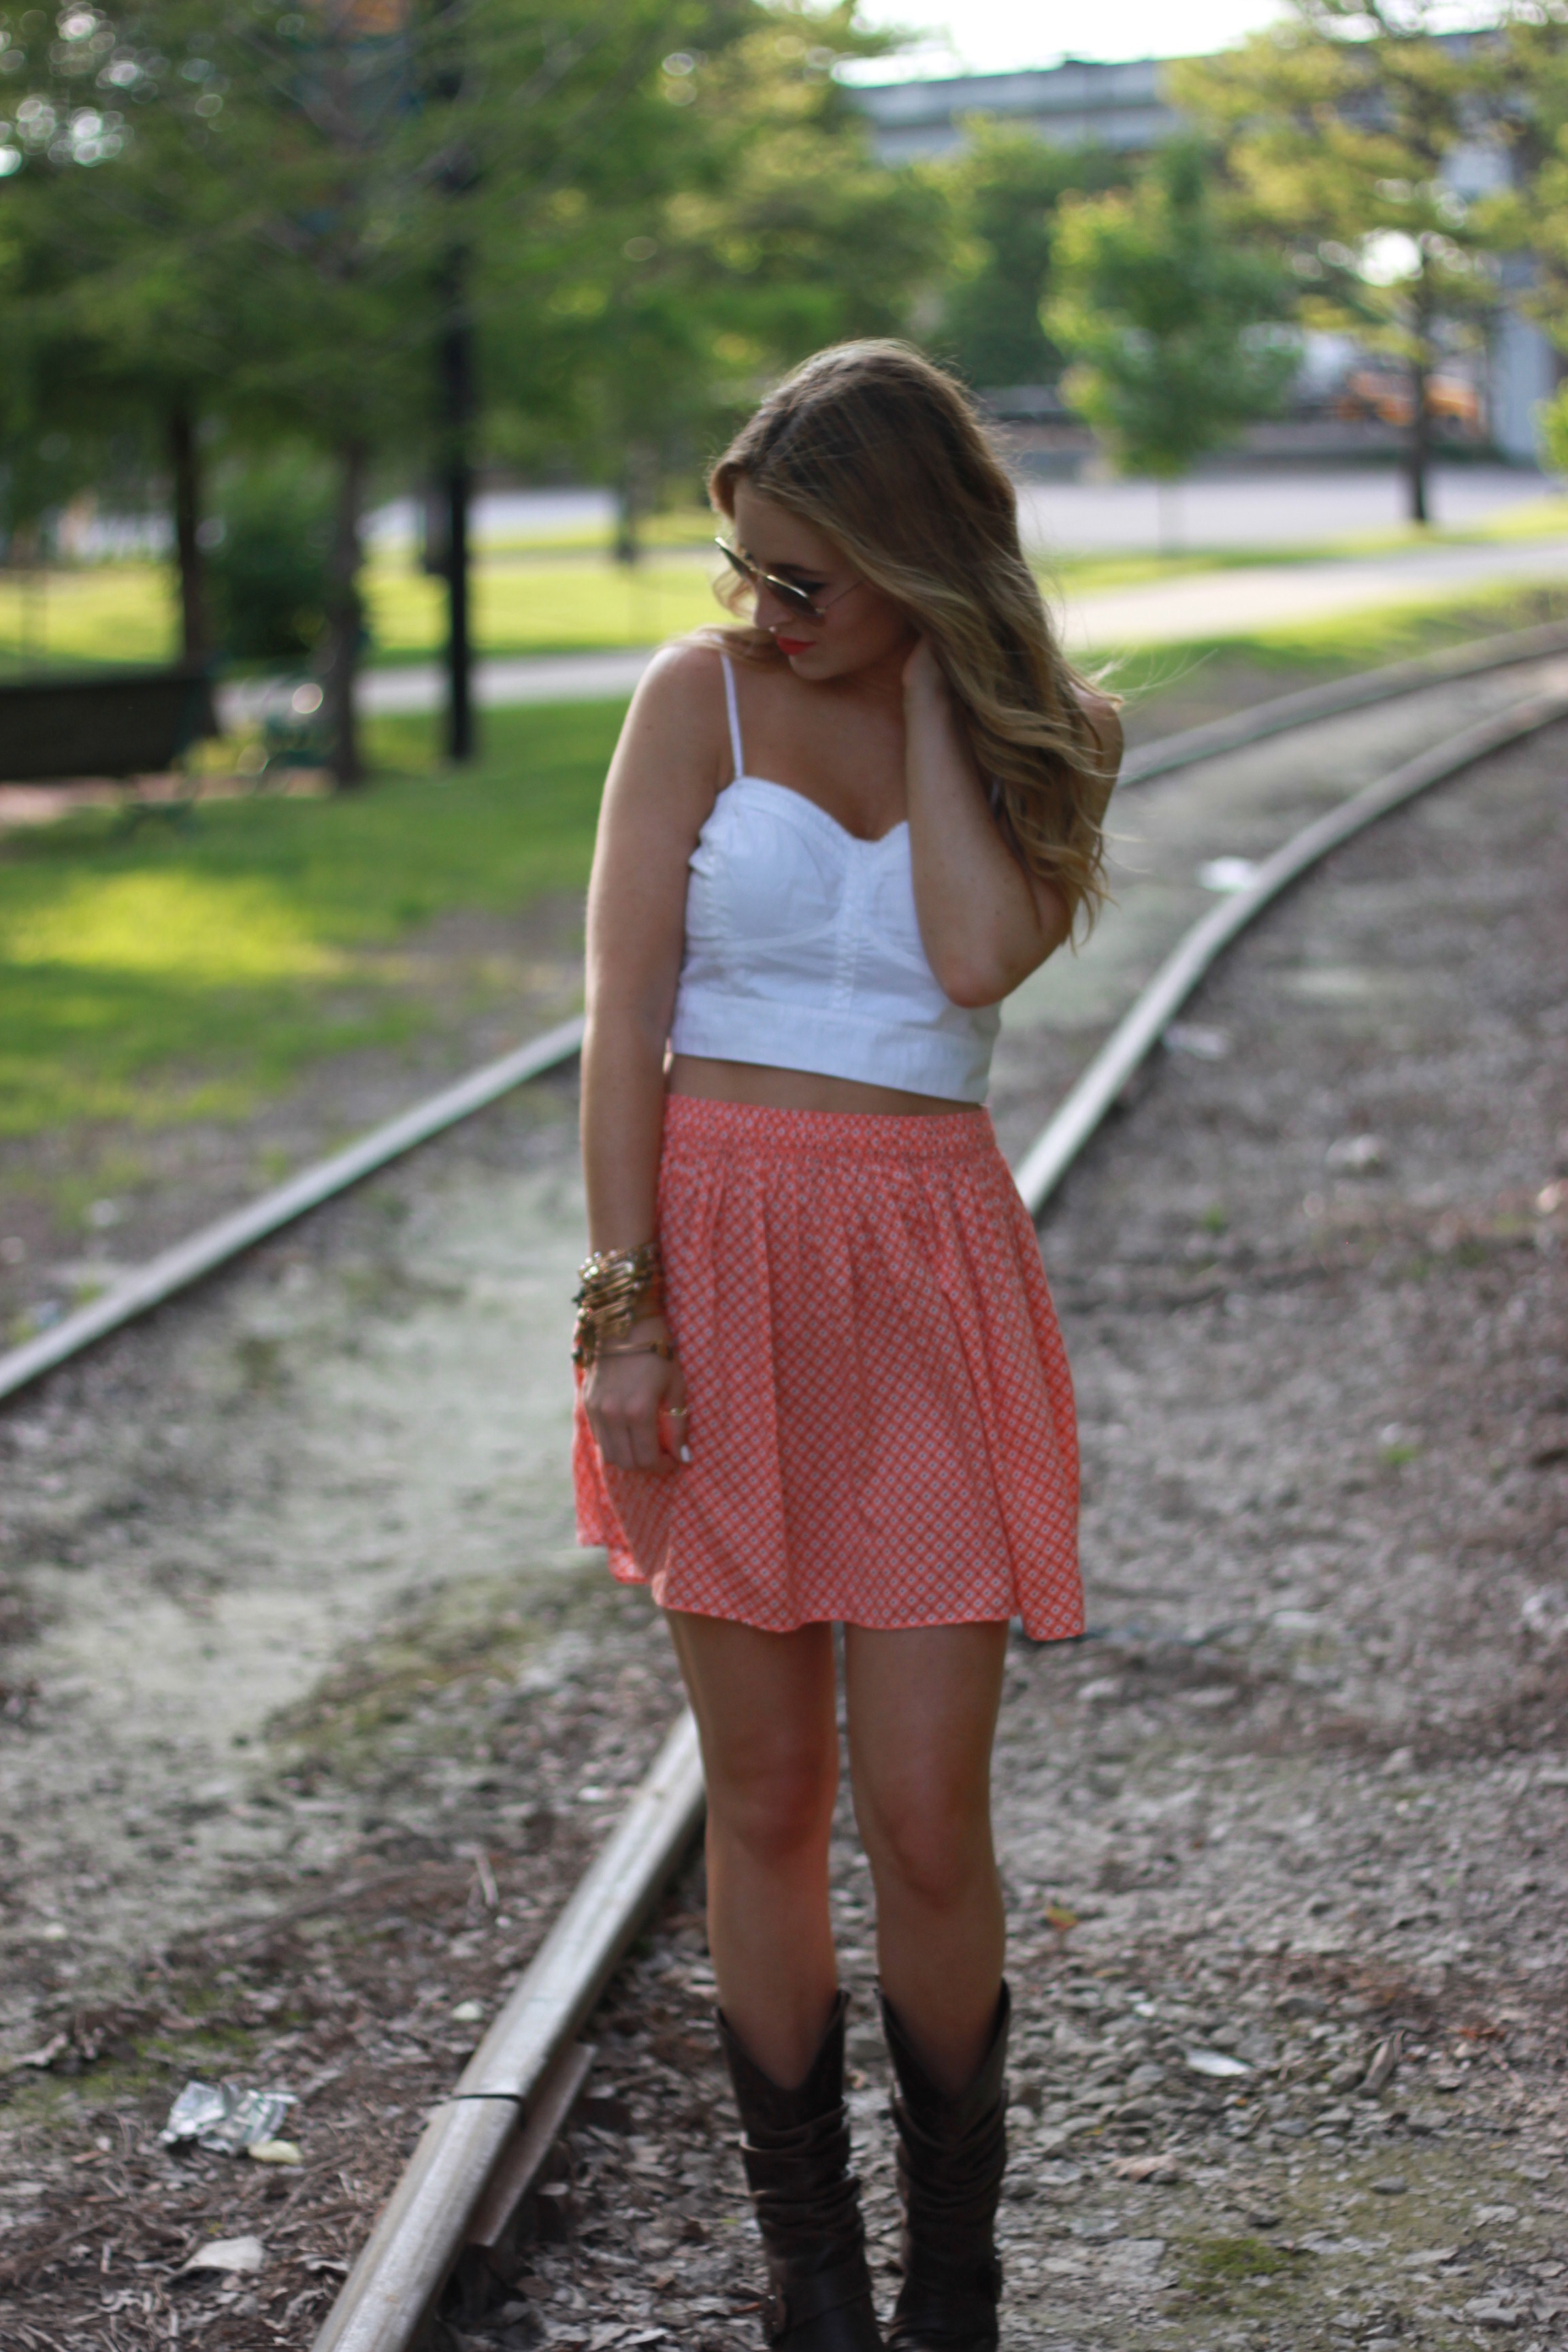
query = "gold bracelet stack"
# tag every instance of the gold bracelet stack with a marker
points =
(617, 1289)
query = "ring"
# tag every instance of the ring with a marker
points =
(675, 1412)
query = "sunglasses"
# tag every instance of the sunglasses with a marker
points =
(795, 599)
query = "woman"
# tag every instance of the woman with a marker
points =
(822, 1381)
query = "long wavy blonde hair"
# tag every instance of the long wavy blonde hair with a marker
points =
(883, 453)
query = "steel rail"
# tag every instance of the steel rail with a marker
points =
(416, 2243)
(1157, 1004)
(394, 2286)
(176, 1269)
(1361, 692)
(203, 1252)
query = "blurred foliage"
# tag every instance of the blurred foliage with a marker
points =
(1553, 421)
(268, 563)
(672, 303)
(217, 209)
(1339, 126)
(1001, 192)
(1165, 317)
(229, 224)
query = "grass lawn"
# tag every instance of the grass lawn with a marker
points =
(567, 597)
(183, 971)
(539, 606)
(115, 613)
(1332, 648)
(187, 972)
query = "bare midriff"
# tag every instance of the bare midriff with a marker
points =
(760, 1084)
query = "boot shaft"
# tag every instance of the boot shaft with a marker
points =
(951, 2153)
(795, 2147)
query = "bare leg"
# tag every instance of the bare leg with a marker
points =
(764, 1709)
(922, 1715)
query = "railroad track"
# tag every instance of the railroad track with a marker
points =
(483, 2148)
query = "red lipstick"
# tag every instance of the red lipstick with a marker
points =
(793, 645)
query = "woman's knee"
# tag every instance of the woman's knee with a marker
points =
(773, 1806)
(929, 1842)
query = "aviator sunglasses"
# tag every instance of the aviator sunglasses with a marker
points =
(793, 599)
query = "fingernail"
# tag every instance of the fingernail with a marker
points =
(685, 1453)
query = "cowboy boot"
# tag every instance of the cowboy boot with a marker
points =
(795, 2147)
(951, 2153)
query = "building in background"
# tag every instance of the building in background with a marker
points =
(1074, 104)
(1122, 106)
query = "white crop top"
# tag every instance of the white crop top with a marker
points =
(803, 949)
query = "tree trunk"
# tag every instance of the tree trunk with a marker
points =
(1418, 450)
(195, 641)
(345, 616)
(636, 496)
(457, 408)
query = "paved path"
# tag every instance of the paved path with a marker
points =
(1210, 604)
(1276, 595)
(1245, 505)
(1262, 508)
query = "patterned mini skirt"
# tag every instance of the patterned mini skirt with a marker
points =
(882, 1429)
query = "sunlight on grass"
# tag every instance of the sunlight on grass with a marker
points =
(1367, 639)
(535, 604)
(210, 928)
(543, 606)
(570, 597)
(108, 612)
(170, 973)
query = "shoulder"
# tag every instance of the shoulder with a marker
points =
(684, 684)
(673, 755)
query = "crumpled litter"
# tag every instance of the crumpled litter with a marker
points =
(225, 2118)
(237, 2257)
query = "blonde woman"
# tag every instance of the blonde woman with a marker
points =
(822, 1382)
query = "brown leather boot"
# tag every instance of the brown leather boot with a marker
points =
(951, 2155)
(796, 2147)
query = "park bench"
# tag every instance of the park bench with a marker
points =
(118, 725)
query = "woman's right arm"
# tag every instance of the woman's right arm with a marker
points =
(668, 769)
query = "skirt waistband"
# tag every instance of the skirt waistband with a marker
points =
(693, 1123)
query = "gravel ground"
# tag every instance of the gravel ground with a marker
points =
(1297, 1805)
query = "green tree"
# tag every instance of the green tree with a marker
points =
(771, 232)
(1004, 188)
(286, 222)
(1170, 324)
(1341, 126)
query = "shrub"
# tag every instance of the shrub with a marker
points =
(267, 568)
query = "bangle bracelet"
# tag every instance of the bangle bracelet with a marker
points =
(664, 1348)
(616, 1289)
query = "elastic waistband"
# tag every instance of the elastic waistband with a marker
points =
(691, 1123)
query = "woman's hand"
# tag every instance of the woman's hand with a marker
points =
(635, 1403)
(923, 675)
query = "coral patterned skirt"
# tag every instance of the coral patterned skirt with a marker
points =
(882, 1428)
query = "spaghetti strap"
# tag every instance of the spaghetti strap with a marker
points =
(734, 711)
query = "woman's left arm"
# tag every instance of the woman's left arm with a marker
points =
(986, 922)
